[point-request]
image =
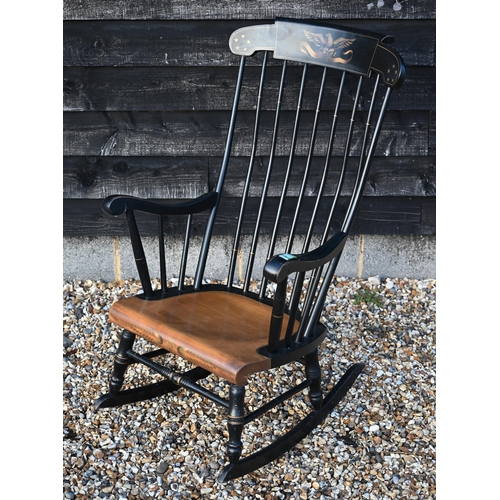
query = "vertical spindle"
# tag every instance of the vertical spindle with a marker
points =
(246, 188)
(185, 250)
(222, 175)
(161, 250)
(255, 237)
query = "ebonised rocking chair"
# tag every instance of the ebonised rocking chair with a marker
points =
(227, 329)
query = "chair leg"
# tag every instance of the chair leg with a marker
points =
(313, 373)
(297, 433)
(121, 361)
(236, 421)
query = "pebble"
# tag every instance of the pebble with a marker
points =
(379, 443)
(162, 467)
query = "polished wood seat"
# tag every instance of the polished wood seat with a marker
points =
(217, 330)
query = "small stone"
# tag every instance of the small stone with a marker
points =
(162, 467)
(391, 408)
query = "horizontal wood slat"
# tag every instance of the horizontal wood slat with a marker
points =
(168, 177)
(144, 177)
(432, 132)
(198, 43)
(377, 215)
(389, 176)
(245, 9)
(203, 133)
(210, 89)
(428, 225)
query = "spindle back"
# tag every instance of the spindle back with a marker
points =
(302, 135)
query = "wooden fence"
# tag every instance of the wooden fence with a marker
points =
(147, 91)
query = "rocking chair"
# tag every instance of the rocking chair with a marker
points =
(286, 132)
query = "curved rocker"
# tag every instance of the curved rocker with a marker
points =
(146, 392)
(297, 433)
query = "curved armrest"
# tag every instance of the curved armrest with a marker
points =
(279, 267)
(118, 204)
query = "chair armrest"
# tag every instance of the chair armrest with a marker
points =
(279, 267)
(118, 204)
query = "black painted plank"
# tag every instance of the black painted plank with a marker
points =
(209, 89)
(170, 177)
(203, 133)
(199, 43)
(432, 133)
(428, 225)
(377, 215)
(145, 177)
(389, 176)
(246, 9)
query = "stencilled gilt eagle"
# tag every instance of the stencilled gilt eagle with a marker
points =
(329, 49)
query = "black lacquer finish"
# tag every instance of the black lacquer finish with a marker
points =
(313, 373)
(235, 422)
(360, 71)
(178, 378)
(121, 361)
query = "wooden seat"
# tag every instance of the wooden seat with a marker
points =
(217, 330)
(302, 134)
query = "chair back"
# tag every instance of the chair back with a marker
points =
(308, 108)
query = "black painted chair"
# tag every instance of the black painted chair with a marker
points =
(320, 160)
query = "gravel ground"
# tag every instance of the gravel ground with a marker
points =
(379, 443)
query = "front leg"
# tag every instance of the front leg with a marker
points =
(235, 422)
(313, 373)
(121, 361)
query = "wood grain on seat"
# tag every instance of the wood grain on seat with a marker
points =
(216, 330)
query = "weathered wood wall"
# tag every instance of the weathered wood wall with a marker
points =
(147, 93)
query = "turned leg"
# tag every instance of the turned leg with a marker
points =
(313, 373)
(235, 422)
(121, 361)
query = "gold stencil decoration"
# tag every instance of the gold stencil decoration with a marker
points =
(328, 48)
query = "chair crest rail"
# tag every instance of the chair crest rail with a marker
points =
(333, 46)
